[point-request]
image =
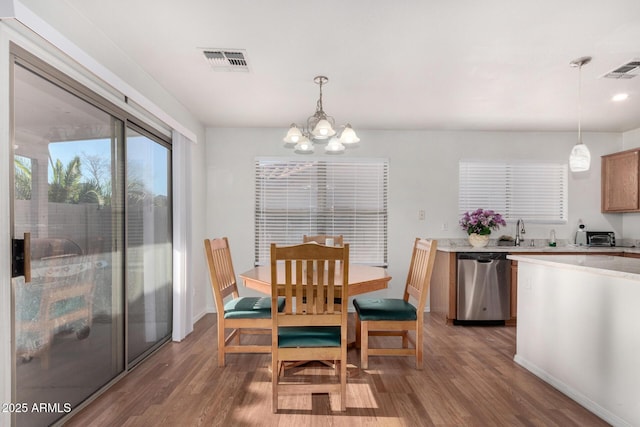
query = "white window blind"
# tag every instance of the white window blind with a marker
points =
(312, 197)
(535, 192)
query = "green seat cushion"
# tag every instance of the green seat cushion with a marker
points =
(250, 307)
(309, 336)
(384, 309)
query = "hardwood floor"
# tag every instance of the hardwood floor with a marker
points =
(469, 378)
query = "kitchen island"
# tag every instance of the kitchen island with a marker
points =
(578, 329)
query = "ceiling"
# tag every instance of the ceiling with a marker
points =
(411, 64)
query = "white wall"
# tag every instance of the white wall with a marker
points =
(423, 174)
(631, 221)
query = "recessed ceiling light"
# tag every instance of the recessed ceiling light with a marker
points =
(620, 97)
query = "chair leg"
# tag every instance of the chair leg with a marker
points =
(221, 337)
(364, 345)
(419, 345)
(275, 374)
(343, 381)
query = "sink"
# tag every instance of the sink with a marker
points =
(506, 243)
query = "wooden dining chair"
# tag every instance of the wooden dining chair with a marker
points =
(395, 316)
(322, 239)
(248, 315)
(312, 326)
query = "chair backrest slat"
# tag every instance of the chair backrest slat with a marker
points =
(313, 278)
(221, 272)
(420, 269)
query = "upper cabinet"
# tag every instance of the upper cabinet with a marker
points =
(620, 183)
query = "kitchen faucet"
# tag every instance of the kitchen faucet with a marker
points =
(519, 230)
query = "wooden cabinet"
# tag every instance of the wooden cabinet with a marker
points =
(620, 181)
(443, 285)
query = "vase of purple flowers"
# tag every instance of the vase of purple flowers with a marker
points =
(478, 225)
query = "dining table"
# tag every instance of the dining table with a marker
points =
(362, 278)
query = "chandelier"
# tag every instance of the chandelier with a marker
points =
(580, 157)
(320, 129)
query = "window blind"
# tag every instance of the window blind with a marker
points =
(535, 192)
(312, 197)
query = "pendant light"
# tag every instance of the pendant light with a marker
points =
(320, 129)
(580, 157)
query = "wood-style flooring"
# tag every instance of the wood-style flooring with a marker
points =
(469, 379)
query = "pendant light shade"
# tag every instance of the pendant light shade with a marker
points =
(580, 157)
(293, 135)
(334, 146)
(323, 130)
(320, 129)
(349, 135)
(304, 146)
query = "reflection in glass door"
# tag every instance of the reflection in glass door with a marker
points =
(149, 266)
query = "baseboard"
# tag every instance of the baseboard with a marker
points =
(583, 400)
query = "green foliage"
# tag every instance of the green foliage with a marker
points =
(22, 178)
(65, 185)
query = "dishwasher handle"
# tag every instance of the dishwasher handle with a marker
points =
(483, 257)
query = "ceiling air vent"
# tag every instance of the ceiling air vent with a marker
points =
(625, 71)
(227, 59)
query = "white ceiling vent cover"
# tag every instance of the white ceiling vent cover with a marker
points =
(227, 59)
(625, 71)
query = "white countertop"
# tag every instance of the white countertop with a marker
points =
(615, 266)
(541, 246)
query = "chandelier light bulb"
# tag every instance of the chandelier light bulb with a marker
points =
(323, 130)
(293, 135)
(304, 146)
(334, 146)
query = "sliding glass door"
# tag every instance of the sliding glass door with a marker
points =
(149, 267)
(91, 220)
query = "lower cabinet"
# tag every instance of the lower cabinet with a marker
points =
(443, 295)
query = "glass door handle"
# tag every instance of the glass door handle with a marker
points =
(21, 257)
(27, 257)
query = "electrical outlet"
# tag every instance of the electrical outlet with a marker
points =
(421, 215)
(445, 226)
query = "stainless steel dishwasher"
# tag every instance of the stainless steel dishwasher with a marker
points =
(484, 286)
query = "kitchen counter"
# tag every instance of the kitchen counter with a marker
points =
(540, 247)
(443, 293)
(577, 329)
(613, 266)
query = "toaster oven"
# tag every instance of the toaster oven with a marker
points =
(601, 238)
